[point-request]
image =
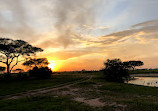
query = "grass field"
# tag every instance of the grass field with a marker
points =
(43, 103)
(119, 96)
(111, 96)
(12, 87)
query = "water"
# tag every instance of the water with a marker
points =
(145, 81)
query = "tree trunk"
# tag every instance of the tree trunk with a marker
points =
(8, 69)
(8, 76)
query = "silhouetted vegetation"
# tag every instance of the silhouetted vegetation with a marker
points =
(19, 70)
(40, 68)
(36, 62)
(133, 64)
(41, 73)
(14, 77)
(118, 71)
(11, 50)
(2, 69)
(115, 71)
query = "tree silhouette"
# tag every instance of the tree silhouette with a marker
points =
(18, 70)
(11, 50)
(41, 73)
(133, 64)
(117, 71)
(2, 69)
(39, 62)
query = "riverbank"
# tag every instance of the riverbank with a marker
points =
(145, 75)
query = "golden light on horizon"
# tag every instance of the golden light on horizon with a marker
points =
(52, 66)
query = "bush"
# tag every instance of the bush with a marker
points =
(116, 71)
(41, 73)
(21, 76)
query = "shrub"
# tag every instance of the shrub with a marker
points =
(41, 73)
(21, 76)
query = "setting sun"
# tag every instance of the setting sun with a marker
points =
(52, 66)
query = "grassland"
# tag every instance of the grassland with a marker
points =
(44, 103)
(95, 94)
(17, 86)
(117, 96)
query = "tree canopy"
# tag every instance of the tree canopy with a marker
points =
(36, 62)
(11, 50)
(117, 71)
(133, 64)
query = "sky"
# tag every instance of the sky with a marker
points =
(82, 34)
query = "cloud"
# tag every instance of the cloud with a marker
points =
(73, 29)
(66, 18)
(141, 32)
(147, 23)
(83, 62)
(130, 42)
(14, 20)
(71, 16)
(62, 54)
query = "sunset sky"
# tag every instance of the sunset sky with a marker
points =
(82, 34)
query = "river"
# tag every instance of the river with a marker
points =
(145, 80)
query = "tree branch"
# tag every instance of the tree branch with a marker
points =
(14, 64)
(2, 59)
(12, 60)
(3, 53)
(3, 62)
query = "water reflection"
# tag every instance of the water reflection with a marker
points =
(146, 81)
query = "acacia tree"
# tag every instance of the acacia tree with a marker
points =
(133, 64)
(36, 62)
(11, 50)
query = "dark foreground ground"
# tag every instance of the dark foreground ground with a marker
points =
(92, 94)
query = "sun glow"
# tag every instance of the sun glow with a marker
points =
(52, 66)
